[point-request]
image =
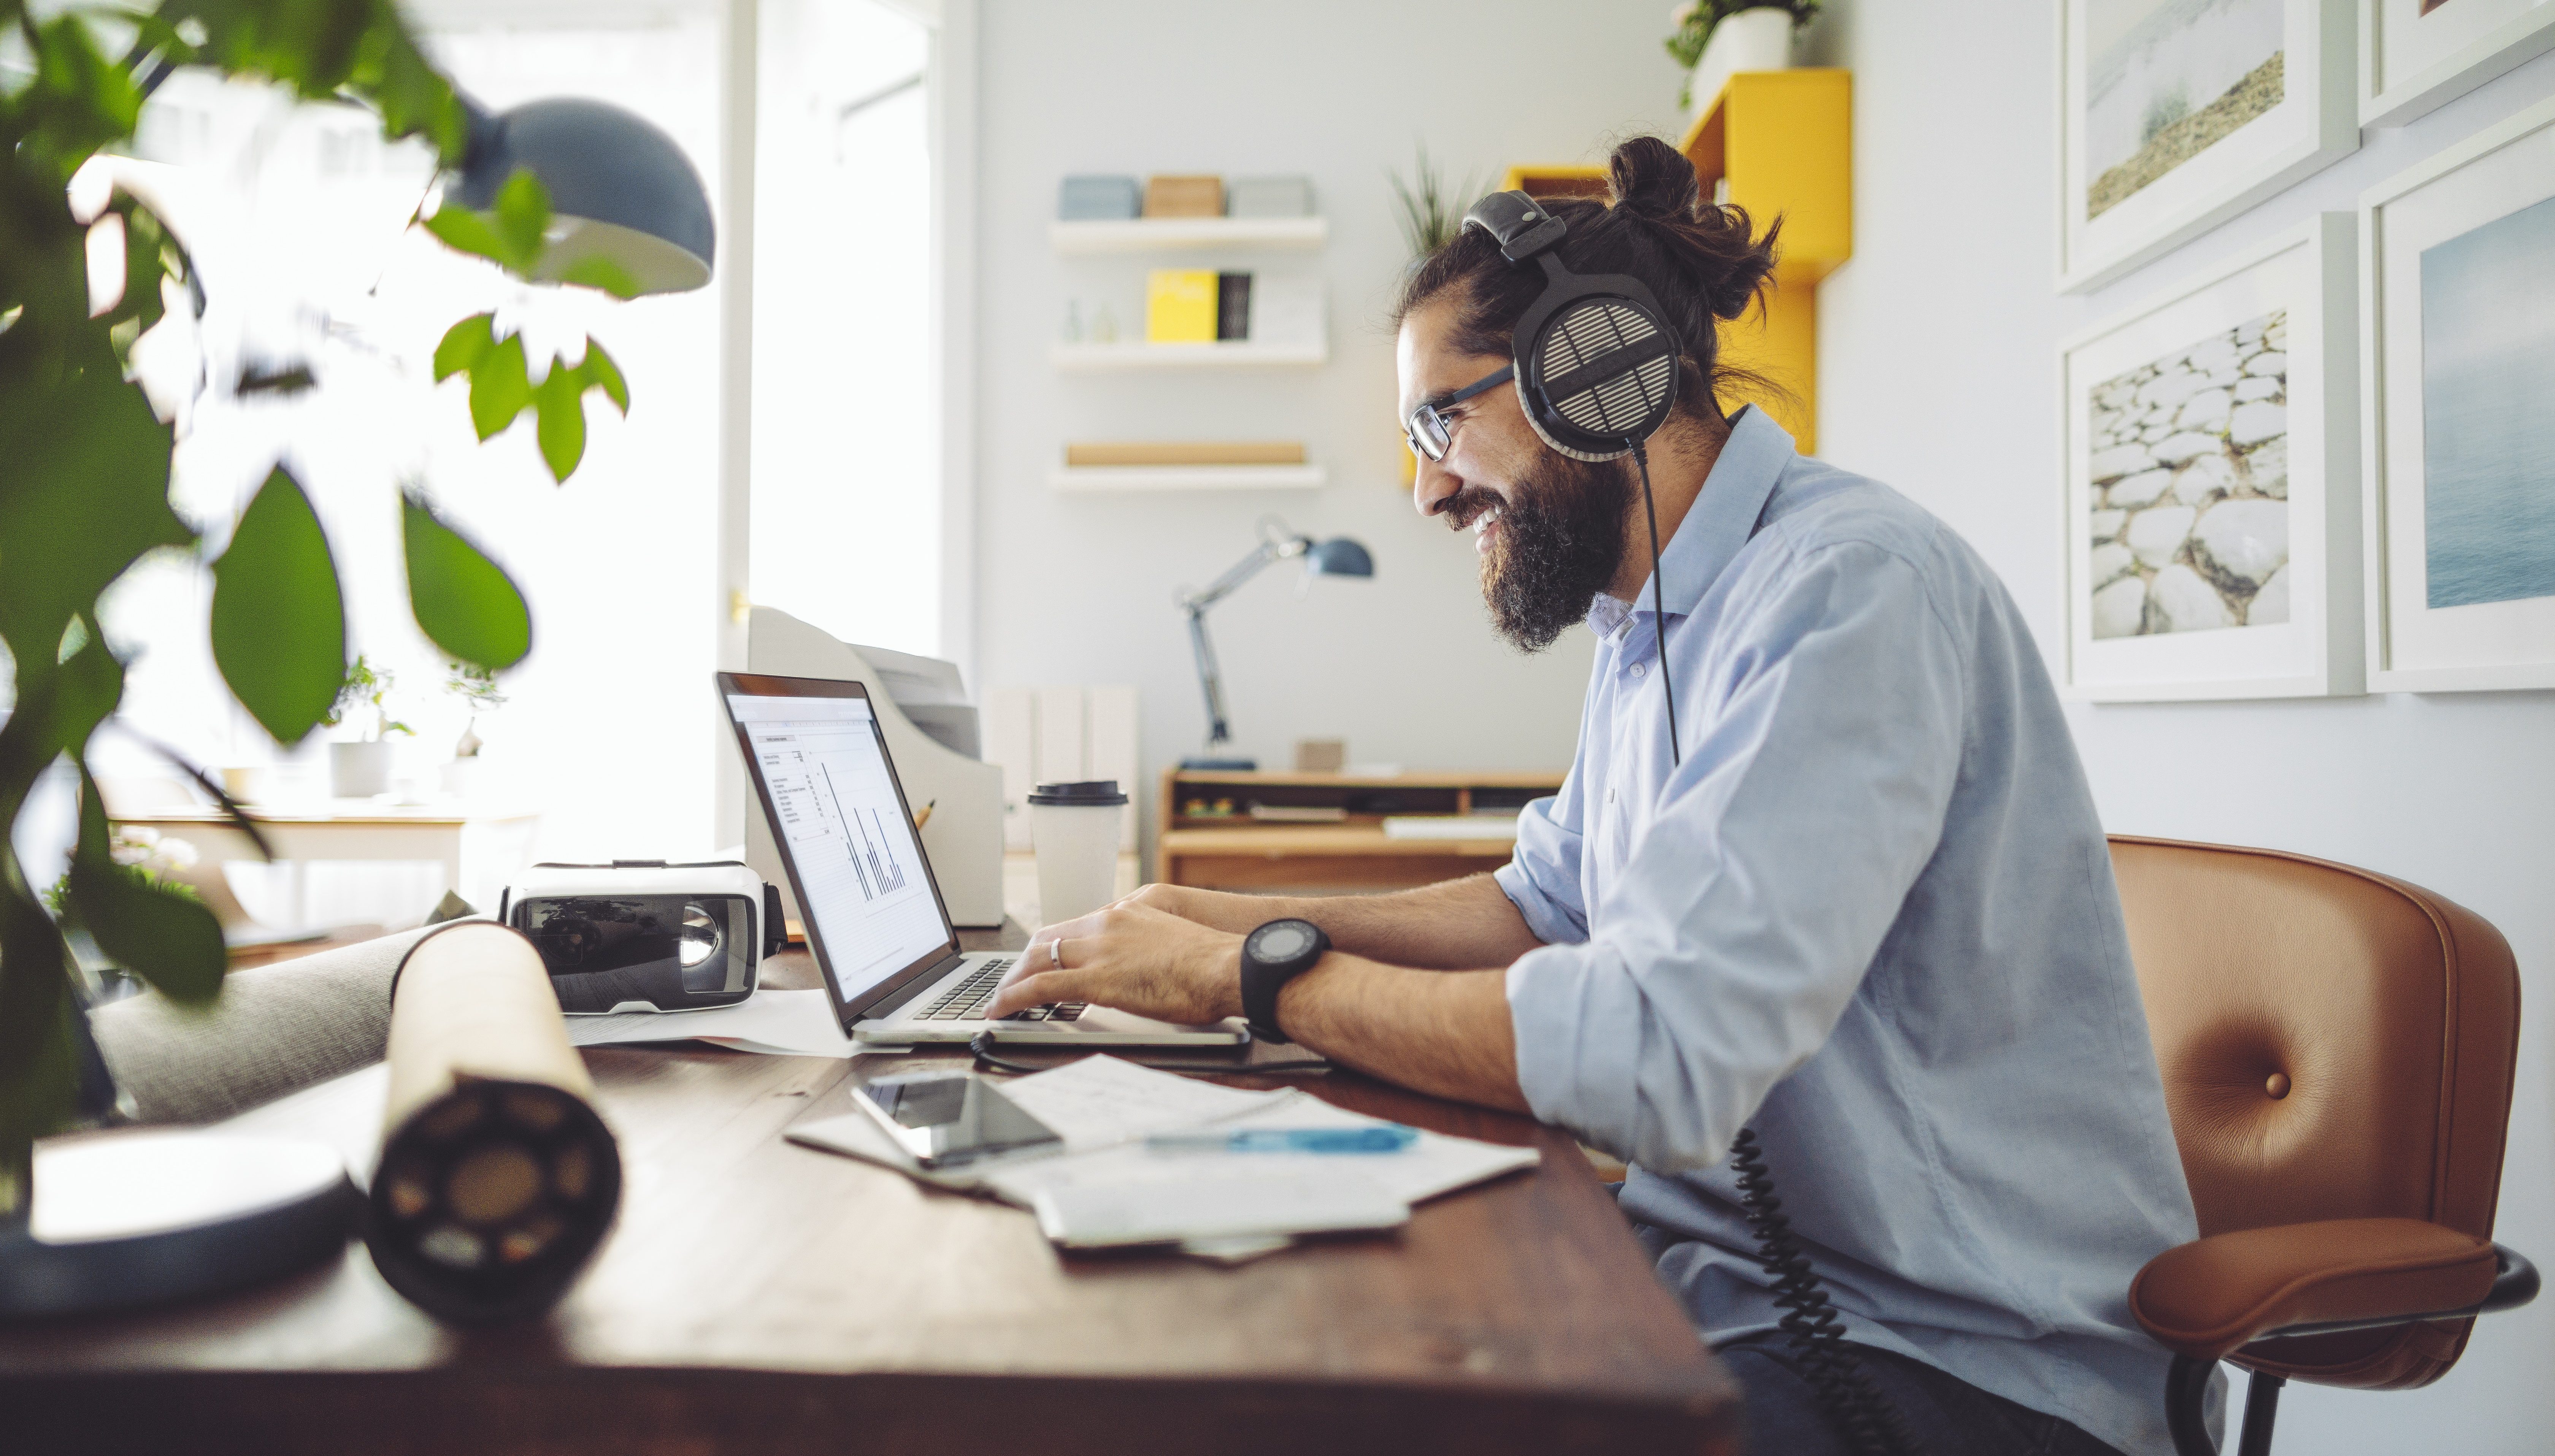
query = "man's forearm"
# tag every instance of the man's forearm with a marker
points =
(1456, 925)
(1436, 1031)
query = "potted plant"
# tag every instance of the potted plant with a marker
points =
(89, 269)
(361, 768)
(1717, 39)
(476, 686)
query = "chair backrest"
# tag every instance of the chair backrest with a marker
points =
(2335, 1043)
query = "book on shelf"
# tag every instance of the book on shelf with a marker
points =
(1451, 826)
(1232, 305)
(1180, 306)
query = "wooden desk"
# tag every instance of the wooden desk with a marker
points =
(761, 1297)
(1232, 851)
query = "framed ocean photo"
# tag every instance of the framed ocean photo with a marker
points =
(2174, 115)
(2211, 532)
(2457, 305)
(2417, 55)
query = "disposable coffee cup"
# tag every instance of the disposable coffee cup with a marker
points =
(1075, 829)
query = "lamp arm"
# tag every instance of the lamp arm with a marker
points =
(1210, 679)
(1243, 571)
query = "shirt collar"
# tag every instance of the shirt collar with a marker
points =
(1719, 522)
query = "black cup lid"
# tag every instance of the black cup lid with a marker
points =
(1099, 792)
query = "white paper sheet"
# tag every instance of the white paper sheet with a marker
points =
(774, 1021)
(1102, 1100)
(1435, 1164)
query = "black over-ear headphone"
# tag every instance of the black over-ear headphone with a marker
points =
(1596, 366)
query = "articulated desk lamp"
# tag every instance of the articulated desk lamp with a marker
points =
(1338, 556)
(141, 1217)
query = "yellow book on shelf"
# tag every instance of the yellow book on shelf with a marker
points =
(1179, 306)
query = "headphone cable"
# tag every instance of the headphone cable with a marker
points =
(1658, 609)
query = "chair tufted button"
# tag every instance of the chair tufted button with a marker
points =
(2277, 1084)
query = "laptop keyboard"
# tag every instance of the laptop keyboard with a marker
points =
(965, 1002)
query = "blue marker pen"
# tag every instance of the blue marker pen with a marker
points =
(1390, 1138)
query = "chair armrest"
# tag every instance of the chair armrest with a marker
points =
(2211, 1297)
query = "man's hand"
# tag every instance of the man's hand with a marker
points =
(1134, 957)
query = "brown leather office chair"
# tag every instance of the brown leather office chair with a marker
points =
(2337, 1050)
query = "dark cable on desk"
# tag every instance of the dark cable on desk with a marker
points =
(1870, 1424)
(983, 1045)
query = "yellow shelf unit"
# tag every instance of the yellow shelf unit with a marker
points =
(1784, 141)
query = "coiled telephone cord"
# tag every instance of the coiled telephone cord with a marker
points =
(1860, 1414)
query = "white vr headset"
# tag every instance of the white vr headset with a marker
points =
(647, 935)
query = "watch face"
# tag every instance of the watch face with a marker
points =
(1282, 941)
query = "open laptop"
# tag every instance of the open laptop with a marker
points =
(874, 915)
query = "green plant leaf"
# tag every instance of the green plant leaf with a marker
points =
(279, 620)
(84, 494)
(464, 346)
(470, 232)
(522, 215)
(559, 400)
(499, 386)
(168, 939)
(510, 234)
(598, 367)
(464, 602)
(598, 272)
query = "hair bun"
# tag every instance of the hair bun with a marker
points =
(1653, 180)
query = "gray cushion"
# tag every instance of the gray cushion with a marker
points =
(275, 1030)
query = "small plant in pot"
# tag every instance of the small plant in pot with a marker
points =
(476, 686)
(362, 768)
(1715, 40)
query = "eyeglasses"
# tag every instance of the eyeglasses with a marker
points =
(1430, 433)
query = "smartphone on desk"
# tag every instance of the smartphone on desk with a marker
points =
(946, 1120)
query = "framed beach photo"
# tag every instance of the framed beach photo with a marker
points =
(2458, 306)
(2415, 55)
(2212, 523)
(2174, 115)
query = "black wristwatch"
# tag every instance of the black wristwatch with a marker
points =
(1272, 956)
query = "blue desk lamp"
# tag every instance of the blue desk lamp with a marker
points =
(1338, 556)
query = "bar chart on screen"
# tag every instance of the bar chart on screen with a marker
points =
(860, 865)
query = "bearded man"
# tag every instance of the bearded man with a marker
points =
(1861, 905)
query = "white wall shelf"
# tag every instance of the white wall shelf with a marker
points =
(1187, 478)
(1229, 355)
(1156, 234)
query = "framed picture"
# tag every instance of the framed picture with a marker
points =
(2211, 535)
(2174, 115)
(2415, 55)
(2459, 312)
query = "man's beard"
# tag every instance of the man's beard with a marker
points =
(1560, 541)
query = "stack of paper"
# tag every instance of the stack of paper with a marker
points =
(1222, 1205)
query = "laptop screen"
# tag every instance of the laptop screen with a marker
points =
(872, 911)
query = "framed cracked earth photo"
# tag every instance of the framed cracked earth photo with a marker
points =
(2175, 115)
(2212, 536)
(2458, 310)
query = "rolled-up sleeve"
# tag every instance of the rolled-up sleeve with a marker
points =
(1813, 790)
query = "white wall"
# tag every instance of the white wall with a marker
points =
(1937, 348)
(1079, 588)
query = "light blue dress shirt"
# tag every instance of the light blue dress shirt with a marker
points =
(1873, 918)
